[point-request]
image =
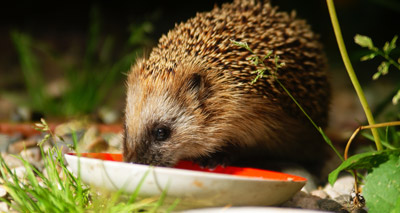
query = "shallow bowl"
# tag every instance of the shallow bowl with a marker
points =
(195, 186)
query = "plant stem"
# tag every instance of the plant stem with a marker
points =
(350, 71)
(327, 140)
(390, 60)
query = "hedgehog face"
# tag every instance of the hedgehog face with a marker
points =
(163, 118)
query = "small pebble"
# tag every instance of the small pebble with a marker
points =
(98, 145)
(330, 205)
(4, 142)
(114, 141)
(359, 211)
(343, 199)
(319, 193)
(3, 191)
(20, 171)
(46, 147)
(303, 200)
(17, 147)
(12, 162)
(89, 136)
(343, 186)
(4, 207)
(33, 156)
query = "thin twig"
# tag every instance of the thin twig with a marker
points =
(385, 124)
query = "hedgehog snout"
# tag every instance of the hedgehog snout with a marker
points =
(147, 153)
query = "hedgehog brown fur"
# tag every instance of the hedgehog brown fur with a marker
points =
(193, 98)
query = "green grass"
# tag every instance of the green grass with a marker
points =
(92, 81)
(57, 189)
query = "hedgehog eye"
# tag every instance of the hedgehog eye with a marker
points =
(161, 133)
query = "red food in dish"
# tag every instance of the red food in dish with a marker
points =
(230, 170)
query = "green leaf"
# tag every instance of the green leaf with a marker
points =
(392, 44)
(242, 44)
(397, 206)
(43, 121)
(383, 68)
(396, 98)
(386, 48)
(368, 57)
(382, 186)
(46, 138)
(239, 43)
(363, 41)
(365, 160)
(376, 75)
(269, 53)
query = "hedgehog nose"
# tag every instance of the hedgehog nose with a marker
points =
(137, 155)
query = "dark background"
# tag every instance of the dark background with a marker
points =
(62, 19)
(64, 25)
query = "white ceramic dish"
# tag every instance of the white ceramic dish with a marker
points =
(220, 187)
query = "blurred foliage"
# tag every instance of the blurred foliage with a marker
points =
(88, 82)
(55, 188)
(385, 52)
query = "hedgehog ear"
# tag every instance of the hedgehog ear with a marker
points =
(195, 83)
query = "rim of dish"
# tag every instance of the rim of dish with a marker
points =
(189, 172)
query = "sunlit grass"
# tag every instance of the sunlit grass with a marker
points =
(57, 189)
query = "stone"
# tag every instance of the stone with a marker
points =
(303, 200)
(98, 145)
(359, 211)
(20, 171)
(33, 156)
(115, 142)
(343, 186)
(12, 162)
(88, 138)
(330, 205)
(17, 147)
(4, 207)
(3, 191)
(4, 142)
(319, 193)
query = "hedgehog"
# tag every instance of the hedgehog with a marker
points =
(193, 97)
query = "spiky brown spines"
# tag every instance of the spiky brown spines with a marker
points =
(199, 84)
(207, 36)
